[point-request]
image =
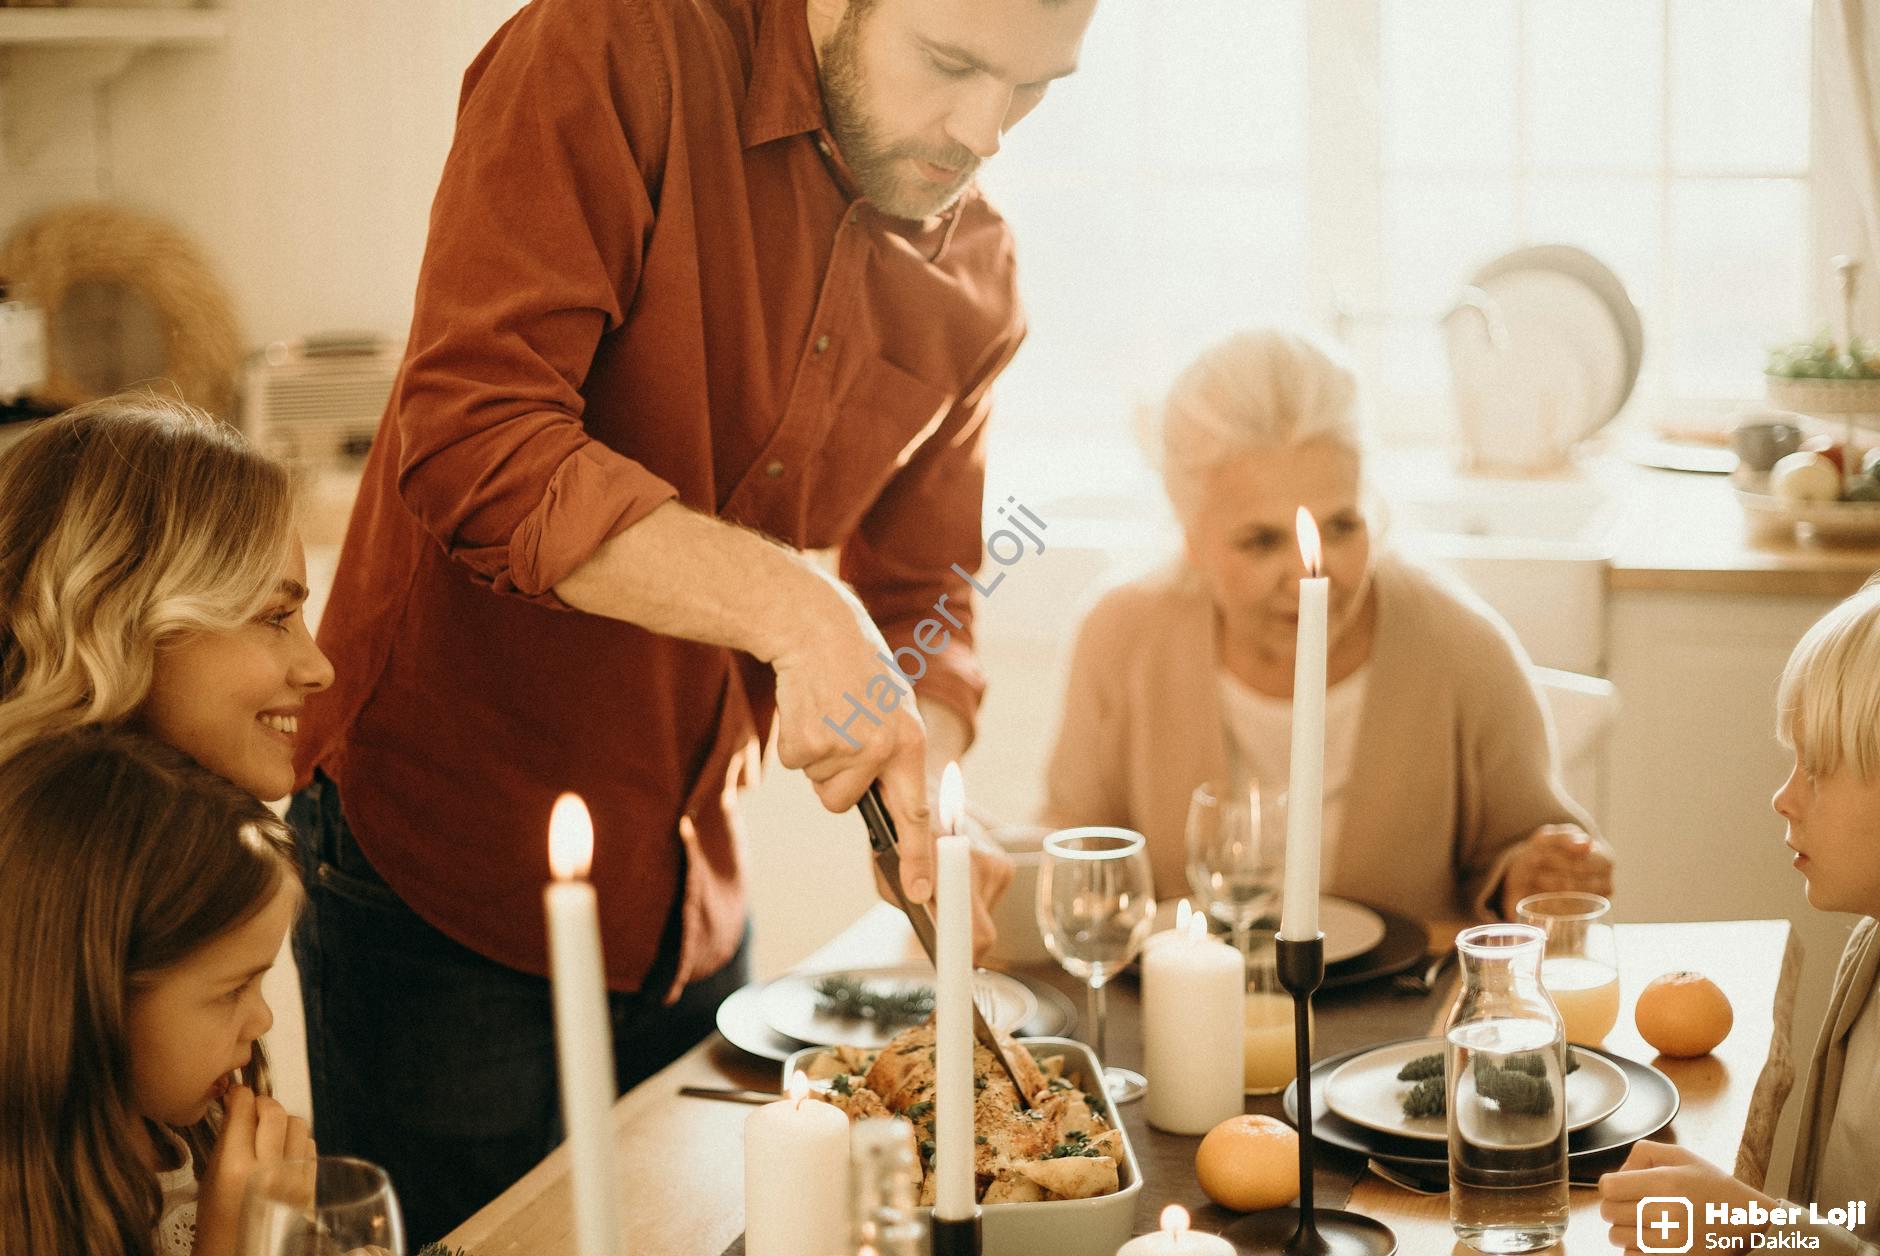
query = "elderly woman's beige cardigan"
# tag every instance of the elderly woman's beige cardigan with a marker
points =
(1454, 761)
(1854, 981)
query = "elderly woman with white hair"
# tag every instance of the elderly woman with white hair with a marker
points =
(1442, 797)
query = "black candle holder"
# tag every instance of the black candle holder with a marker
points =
(1305, 1230)
(956, 1238)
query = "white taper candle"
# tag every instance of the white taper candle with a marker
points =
(955, 1195)
(583, 1040)
(1305, 793)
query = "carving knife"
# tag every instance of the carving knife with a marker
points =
(887, 850)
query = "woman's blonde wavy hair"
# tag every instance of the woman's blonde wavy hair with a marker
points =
(125, 523)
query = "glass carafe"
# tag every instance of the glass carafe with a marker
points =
(884, 1186)
(1505, 1075)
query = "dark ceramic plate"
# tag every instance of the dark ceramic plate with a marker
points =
(1650, 1103)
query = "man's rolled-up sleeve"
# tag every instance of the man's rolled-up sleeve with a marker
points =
(926, 521)
(536, 239)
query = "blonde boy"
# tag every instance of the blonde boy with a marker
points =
(1828, 713)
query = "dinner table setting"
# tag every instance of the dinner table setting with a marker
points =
(1255, 1067)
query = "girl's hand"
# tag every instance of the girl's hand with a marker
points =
(256, 1132)
(1661, 1169)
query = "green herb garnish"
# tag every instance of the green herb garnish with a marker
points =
(1076, 1143)
(1425, 1098)
(850, 999)
(1518, 1085)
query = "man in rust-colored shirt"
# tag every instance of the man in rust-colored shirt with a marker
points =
(709, 283)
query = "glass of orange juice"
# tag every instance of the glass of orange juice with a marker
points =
(1581, 967)
(1269, 1053)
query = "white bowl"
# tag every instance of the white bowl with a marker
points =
(1061, 1227)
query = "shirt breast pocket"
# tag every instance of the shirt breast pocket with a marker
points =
(880, 422)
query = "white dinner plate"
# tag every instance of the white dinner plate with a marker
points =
(1350, 929)
(791, 1006)
(1567, 314)
(1365, 1091)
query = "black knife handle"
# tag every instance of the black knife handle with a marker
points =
(881, 834)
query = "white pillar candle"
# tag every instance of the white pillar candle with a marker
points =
(583, 1041)
(955, 1194)
(1193, 989)
(1305, 794)
(796, 1177)
(1176, 1239)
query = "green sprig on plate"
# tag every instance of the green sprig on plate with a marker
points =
(851, 999)
(1519, 1086)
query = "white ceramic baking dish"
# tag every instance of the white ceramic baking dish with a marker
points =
(1062, 1227)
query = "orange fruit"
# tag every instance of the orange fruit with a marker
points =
(1683, 1014)
(1249, 1162)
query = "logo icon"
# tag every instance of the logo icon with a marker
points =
(1665, 1224)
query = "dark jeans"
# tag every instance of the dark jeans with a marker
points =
(433, 1061)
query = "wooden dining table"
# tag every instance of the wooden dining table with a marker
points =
(680, 1165)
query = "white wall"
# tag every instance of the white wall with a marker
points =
(302, 154)
(64, 166)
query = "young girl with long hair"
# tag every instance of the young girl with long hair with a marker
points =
(142, 897)
(151, 575)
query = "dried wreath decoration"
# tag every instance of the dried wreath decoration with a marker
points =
(98, 243)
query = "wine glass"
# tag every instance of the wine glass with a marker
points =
(1581, 965)
(1096, 904)
(329, 1206)
(1234, 863)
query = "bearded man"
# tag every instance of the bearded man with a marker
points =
(709, 284)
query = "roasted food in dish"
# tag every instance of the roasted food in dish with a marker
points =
(1052, 1143)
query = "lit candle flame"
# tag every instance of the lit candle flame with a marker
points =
(570, 838)
(1183, 911)
(1310, 550)
(799, 1087)
(1197, 926)
(952, 799)
(1175, 1221)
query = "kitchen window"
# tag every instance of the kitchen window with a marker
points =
(1347, 163)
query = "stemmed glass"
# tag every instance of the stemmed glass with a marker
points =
(1096, 904)
(1234, 864)
(330, 1206)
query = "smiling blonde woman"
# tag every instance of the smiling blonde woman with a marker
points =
(151, 574)
(1441, 791)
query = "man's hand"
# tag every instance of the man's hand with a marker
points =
(992, 876)
(256, 1132)
(1556, 857)
(1661, 1169)
(832, 727)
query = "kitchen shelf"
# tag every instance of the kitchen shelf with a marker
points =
(95, 27)
(48, 54)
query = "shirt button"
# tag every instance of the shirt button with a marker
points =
(822, 146)
(822, 343)
(774, 470)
